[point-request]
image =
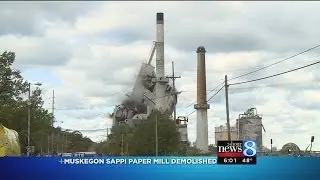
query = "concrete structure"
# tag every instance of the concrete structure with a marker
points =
(201, 106)
(221, 133)
(161, 79)
(249, 125)
(151, 89)
(290, 148)
(183, 128)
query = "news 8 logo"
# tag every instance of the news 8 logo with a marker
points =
(249, 148)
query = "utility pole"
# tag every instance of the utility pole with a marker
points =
(52, 134)
(312, 140)
(156, 135)
(48, 144)
(57, 141)
(29, 118)
(41, 146)
(173, 77)
(127, 145)
(62, 142)
(53, 106)
(227, 106)
(122, 144)
(66, 142)
(156, 128)
(107, 134)
(29, 115)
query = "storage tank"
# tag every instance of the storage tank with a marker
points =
(181, 122)
(249, 127)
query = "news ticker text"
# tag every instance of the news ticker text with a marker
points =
(138, 161)
(237, 152)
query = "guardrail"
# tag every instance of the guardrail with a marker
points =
(281, 153)
(292, 153)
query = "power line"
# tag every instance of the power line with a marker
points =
(276, 62)
(253, 68)
(191, 112)
(276, 74)
(256, 80)
(79, 108)
(180, 109)
(215, 94)
(216, 87)
(209, 98)
(207, 93)
(91, 108)
(86, 130)
(273, 85)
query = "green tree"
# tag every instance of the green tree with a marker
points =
(12, 84)
(78, 143)
(142, 139)
(14, 107)
(119, 141)
(14, 111)
(193, 151)
(12, 87)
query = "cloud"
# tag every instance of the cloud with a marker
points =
(308, 99)
(32, 51)
(29, 19)
(97, 49)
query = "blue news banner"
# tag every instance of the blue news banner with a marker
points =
(177, 168)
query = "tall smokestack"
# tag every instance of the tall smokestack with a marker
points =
(201, 106)
(161, 79)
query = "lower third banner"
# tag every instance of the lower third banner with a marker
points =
(178, 168)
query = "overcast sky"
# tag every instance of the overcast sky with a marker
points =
(90, 53)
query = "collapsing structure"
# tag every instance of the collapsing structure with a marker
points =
(151, 89)
(142, 99)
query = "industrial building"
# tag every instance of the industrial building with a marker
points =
(183, 128)
(221, 133)
(248, 127)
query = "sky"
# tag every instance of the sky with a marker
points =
(89, 53)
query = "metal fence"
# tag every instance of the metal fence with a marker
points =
(292, 153)
(281, 153)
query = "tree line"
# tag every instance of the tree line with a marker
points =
(142, 140)
(45, 138)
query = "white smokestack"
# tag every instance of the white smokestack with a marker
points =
(160, 46)
(161, 79)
